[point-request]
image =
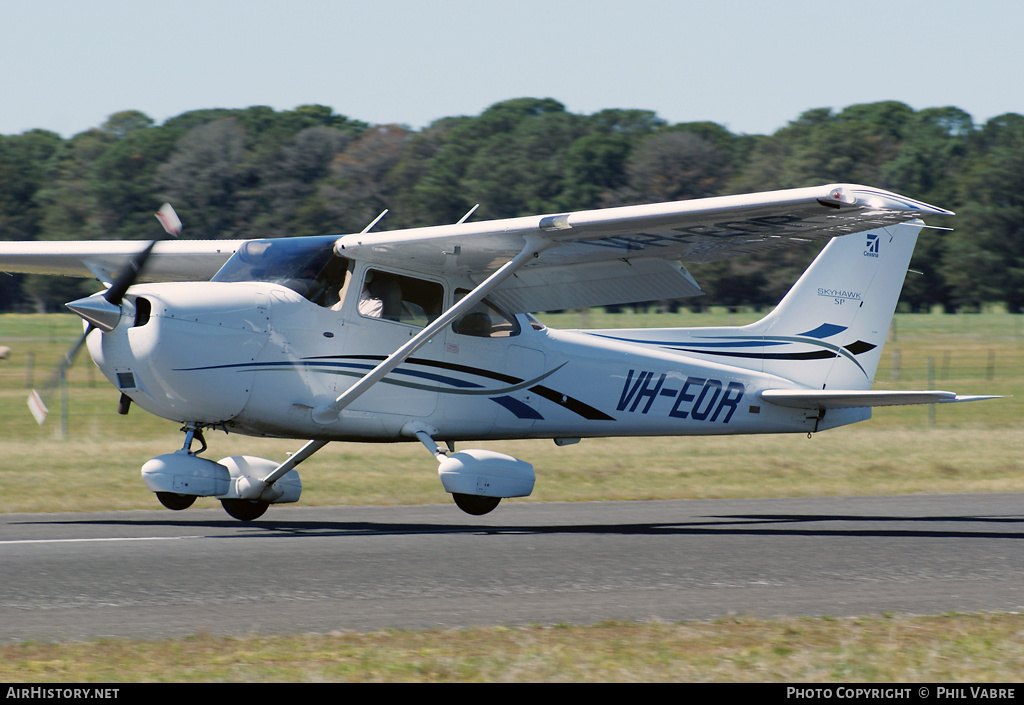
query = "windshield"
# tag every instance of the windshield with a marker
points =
(306, 265)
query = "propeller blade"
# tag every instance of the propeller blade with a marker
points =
(37, 398)
(169, 219)
(37, 407)
(172, 226)
(128, 275)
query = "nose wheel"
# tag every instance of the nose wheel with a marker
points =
(175, 501)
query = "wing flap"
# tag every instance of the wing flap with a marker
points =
(595, 284)
(848, 399)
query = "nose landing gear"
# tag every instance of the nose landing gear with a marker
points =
(175, 501)
(245, 485)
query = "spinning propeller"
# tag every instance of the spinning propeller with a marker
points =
(102, 311)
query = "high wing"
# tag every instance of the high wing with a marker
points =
(171, 260)
(584, 258)
(632, 253)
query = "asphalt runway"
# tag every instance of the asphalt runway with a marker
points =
(160, 574)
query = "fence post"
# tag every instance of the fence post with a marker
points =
(63, 405)
(30, 370)
(931, 385)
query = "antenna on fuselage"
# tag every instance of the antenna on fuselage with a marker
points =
(375, 221)
(471, 211)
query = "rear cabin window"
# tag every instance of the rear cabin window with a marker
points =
(485, 320)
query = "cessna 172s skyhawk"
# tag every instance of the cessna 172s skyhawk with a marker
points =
(426, 334)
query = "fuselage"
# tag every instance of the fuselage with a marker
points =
(257, 358)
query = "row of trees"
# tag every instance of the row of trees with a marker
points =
(257, 172)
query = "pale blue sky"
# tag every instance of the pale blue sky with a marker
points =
(750, 65)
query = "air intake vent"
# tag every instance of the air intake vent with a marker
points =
(143, 309)
(126, 380)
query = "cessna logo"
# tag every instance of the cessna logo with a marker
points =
(873, 243)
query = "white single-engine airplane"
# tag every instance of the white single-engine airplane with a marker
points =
(425, 334)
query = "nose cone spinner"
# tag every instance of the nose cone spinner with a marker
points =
(98, 311)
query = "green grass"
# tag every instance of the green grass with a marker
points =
(882, 649)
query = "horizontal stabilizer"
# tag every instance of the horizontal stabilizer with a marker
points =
(848, 399)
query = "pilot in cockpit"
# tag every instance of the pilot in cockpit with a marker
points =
(370, 305)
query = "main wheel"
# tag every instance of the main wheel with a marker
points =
(244, 509)
(475, 504)
(175, 501)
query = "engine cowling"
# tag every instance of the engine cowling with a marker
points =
(185, 350)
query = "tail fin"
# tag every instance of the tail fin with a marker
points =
(829, 330)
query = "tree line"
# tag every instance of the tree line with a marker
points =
(257, 172)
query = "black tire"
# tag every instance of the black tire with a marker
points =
(175, 501)
(244, 509)
(475, 504)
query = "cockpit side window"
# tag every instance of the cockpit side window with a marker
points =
(485, 320)
(329, 285)
(307, 266)
(396, 297)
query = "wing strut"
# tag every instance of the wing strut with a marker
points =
(329, 413)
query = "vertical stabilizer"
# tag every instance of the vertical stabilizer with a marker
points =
(828, 331)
